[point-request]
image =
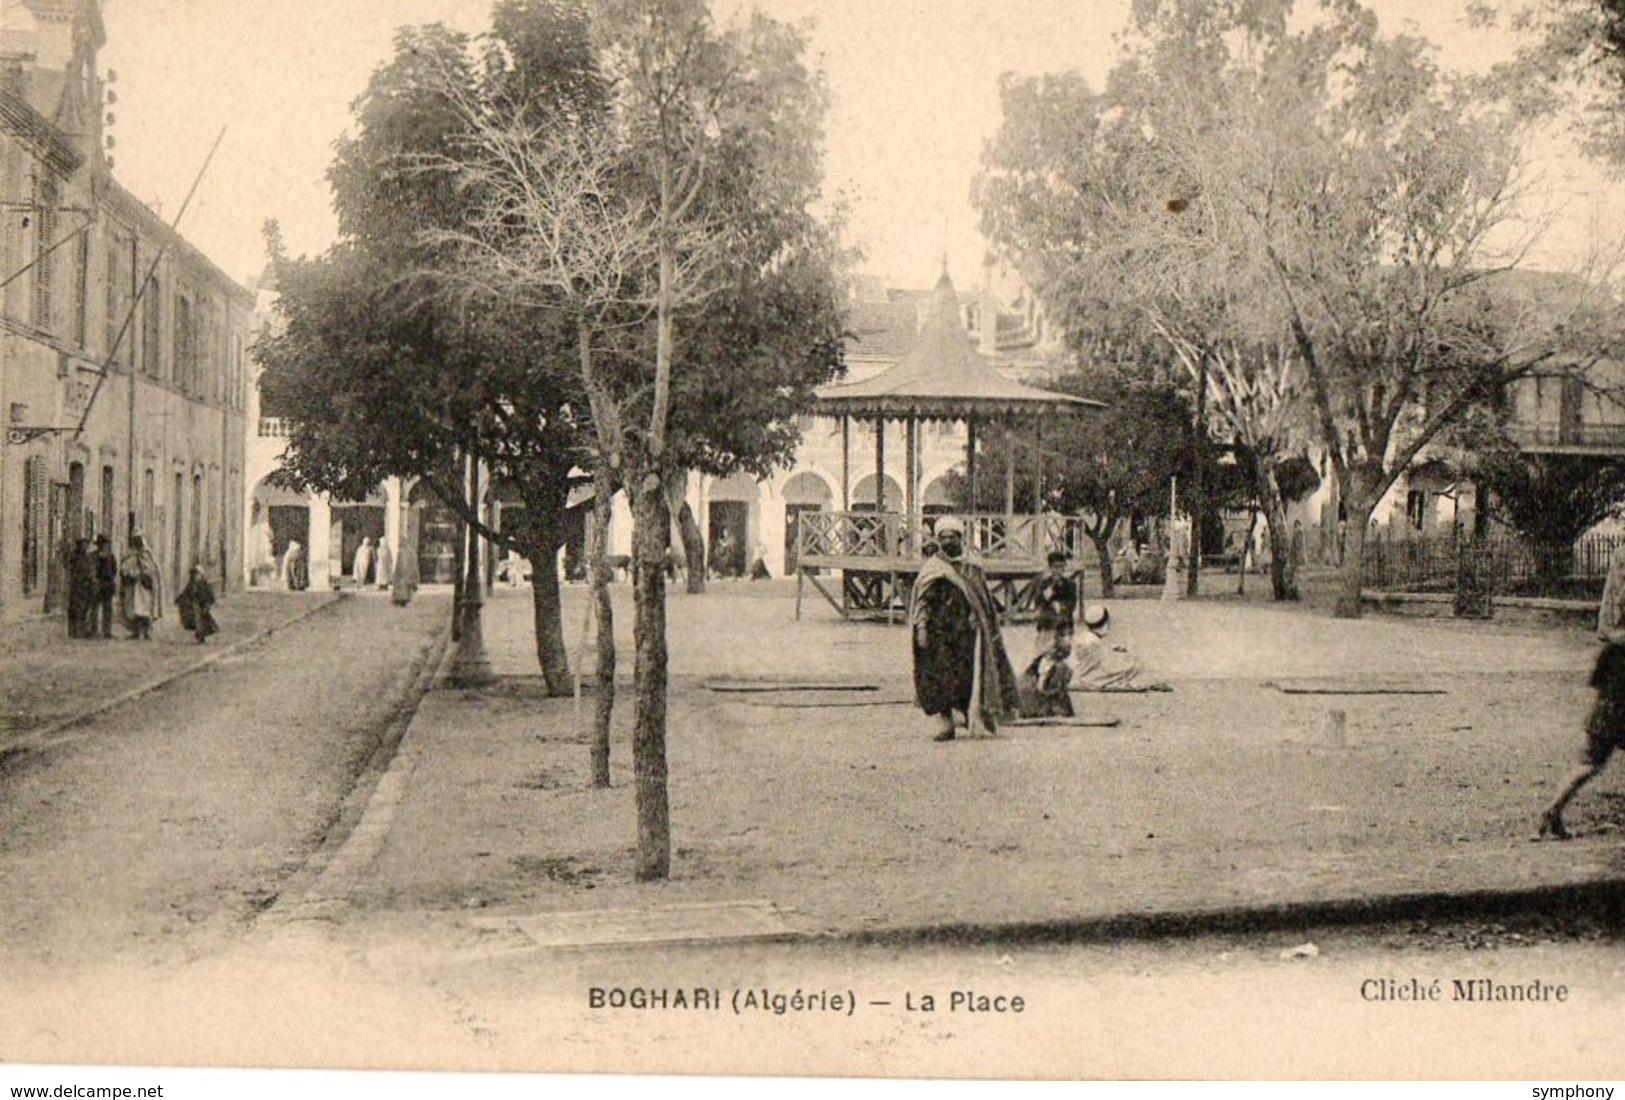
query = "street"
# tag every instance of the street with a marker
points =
(154, 832)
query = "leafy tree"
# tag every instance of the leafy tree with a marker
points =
(1570, 63)
(1549, 498)
(380, 374)
(1383, 194)
(1089, 193)
(1109, 469)
(670, 229)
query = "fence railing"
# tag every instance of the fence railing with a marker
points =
(1513, 564)
(997, 537)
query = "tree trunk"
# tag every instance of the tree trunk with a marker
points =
(1193, 567)
(548, 616)
(457, 556)
(539, 542)
(1359, 502)
(693, 548)
(1552, 560)
(1103, 555)
(651, 536)
(1283, 574)
(1245, 560)
(675, 485)
(603, 700)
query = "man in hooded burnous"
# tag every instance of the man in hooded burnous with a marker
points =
(960, 664)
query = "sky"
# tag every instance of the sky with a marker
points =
(915, 84)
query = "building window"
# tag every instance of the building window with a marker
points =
(107, 501)
(45, 242)
(16, 221)
(148, 484)
(81, 290)
(177, 507)
(119, 256)
(34, 497)
(1416, 508)
(151, 350)
(185, 344)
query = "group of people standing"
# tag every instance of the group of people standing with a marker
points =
(962, 671)
(96, 578)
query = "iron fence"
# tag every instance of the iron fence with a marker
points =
(1507, 562)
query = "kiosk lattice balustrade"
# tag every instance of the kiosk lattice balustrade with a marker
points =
(878, 555)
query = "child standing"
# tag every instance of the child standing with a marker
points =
(1057, 600)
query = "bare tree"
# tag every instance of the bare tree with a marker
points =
(672, 192)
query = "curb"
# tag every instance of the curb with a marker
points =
(363, 824)
(47, 736)
(1603, 898)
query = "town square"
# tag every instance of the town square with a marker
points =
(618, 537)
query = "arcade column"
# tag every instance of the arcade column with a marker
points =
(321, 530)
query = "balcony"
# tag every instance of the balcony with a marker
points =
(273, 427)
(1570, 438)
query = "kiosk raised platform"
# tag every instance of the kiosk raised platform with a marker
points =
(878, 555)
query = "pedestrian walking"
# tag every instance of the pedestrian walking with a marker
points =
(81, 589)
(141, 589)
(1605, 730)
(106, 586)
(195, 605)
(960, 664)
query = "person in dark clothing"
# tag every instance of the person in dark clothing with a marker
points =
(960, 665)
(81, 589)
(1056, 598)
(196, 606)
(1605, 729)
(106, 587)
(1045, 683)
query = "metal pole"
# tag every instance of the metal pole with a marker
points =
(112, 353)
(880, 464)
(1009, 474)
(970, 463)
(911, 463)
(846, 463)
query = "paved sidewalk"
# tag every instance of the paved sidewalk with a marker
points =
(835, 813)
(49, 681)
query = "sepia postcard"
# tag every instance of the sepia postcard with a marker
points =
(970, 540)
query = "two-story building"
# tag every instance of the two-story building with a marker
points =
(123, 364)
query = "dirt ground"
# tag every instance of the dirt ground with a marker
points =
(839, 809)
(154, 833)
(177, 893)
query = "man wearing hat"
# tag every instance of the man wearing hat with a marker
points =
(106, 586)
(1100, 667)
(960, 665)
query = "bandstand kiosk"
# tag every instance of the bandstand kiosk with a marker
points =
(879, 553)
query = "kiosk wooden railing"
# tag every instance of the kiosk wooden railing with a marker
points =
(878, 555)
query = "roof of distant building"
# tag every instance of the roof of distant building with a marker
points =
(941, 376)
